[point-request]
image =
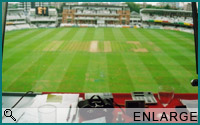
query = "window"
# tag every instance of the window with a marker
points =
(69, 21)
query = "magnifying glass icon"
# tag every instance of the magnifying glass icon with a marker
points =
(8, 113)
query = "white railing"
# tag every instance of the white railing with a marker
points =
(32, 19)
(94, 18)
(15, 17)
(97, 14)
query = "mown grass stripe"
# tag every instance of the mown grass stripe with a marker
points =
(109, 36)
(77, 67)
(116, 66)
(127, 36)
(23, 45)
(70, 34)
(68, 38)
(20, 54)
(165, 72)
(18, 42)
(79, 35)
(82, 44)
(31, 58)
(112, 46)
(117, 42)
(175, 39)
(96, 75)
(74, 78)
(14, 33)
(174, 46)
(98, 34)
(62, 63)
(89, 35)
(65, 46)
(68, 70)
(52, 77)
(9, 38)
(33, 73)
(183, 76)
(187, 38)
(40, 67)
(119, 79)
(117, 35)
(21, 67)
(59, 34)
(10, 76)
(159, 73)
(49, 46)
(120, 38)
(63, 68)
(69, 46)
(174, 53)
(73, 44)
(156, 68)
(186, 35)
(137, 70)
(86, 46)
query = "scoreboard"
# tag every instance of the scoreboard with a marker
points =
(43, 11)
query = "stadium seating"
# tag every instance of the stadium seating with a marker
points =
(43, 21)
(173, 19)
(10, 27)
(169, 19)
(23, 26)
(17, 27)
(16, 20)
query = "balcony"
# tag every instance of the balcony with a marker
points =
(111, 19)
(43, 19)
(97, 14)
(16, 17)
(96, 18)
(85, 18)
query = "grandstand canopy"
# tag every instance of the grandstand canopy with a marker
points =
(15, 9)
(166, 11)
(96, 6)
(135, 14)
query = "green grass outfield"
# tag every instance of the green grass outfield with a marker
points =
(98, 60)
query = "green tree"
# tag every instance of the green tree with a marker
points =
(133, 6)
(149, 6)
(60, 10)
(167, 7)
(13, 5)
